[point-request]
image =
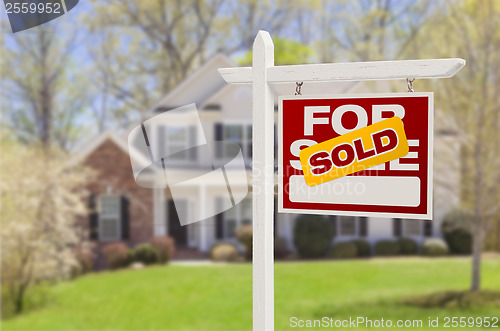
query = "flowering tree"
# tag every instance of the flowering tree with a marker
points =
(41, 197)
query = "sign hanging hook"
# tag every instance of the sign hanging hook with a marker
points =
(409, 82)
(298, 88)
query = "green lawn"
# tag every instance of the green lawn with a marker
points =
(179, 297)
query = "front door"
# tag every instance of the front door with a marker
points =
(175, 230)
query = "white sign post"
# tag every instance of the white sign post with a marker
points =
(260, 75)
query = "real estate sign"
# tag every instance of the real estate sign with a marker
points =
(362, 155)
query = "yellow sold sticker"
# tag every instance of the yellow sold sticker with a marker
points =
(354, 151)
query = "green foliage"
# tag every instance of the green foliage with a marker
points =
(116, 255)
(146, 253)
(407, 246)
(455, 228)
(363, 246)
(344, 250)
(312, 235)
(434, 247)
(457, 219)
(36, 297)
(286, 52)
(459, 241)
(387, 248)
(224, 252)
(165, 248)
(244, 235)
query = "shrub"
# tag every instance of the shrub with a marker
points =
(244, 235)
(456, 219)
(116, 255)
(344, 250)
(280, 250)
(387, 248)
(224, 252)
(165, 247)
(434, 247)
(363, 247)
(455, 228)
(459, 241)
(312, 235)
(407, 246)
(146, 254)
(85, 260)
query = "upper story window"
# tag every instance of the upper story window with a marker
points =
(177, 142)
(240, 134)
(109, 217)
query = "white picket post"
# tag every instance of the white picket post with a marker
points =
(263, 185)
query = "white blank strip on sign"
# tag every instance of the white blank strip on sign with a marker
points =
(359, 190)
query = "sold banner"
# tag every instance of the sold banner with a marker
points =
(360, 155)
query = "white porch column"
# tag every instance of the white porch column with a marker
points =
(202, 225)
(159, 221)
(162, 206)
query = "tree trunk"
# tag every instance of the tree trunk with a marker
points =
(476, 258)
(18, 301)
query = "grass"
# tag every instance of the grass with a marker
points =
(217, 297)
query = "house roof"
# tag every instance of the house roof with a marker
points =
(197, 87)
(97, 142)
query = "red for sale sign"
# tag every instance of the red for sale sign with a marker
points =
(333, 134)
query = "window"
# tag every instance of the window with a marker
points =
(109, 217)
(397, 224)
(246, 211)
(230, 220)
(412, 228)
(347, 226)
(177, 142)
(241, 214)
(240, 134)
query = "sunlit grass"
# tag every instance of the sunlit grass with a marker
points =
(218, 297)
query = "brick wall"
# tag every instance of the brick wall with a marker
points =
(114, 176)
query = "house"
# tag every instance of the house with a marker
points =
(129, 213)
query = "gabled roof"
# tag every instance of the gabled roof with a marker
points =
(198, 86)
(96, 143)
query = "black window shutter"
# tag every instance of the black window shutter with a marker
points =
(428, 228)
(363, 226)
(125, 218)
(219, 226)
(219, 221)
(397, 227)
(93, 218)
(333, 219)
(218, 130)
